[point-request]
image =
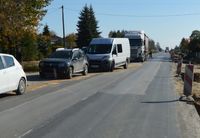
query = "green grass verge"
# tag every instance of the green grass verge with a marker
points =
(30, 66)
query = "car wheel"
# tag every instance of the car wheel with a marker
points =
(42, 75)
(21, 87)
(69, 73)
(126, 65)
(85, 71)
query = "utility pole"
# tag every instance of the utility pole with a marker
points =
(63, 23)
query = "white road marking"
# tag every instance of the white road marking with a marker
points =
(26, 133)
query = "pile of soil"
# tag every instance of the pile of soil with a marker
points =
(197, 102)
(197, 77)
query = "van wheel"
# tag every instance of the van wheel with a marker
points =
(85, 71)
(21, 87)
(42, 75)
(69, 73)
(112, 66)
(126, 65)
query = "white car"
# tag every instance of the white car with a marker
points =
(12, 75)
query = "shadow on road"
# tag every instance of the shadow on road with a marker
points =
(7, 95)
(34, 78)
(157, 102)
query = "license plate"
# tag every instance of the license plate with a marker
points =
(95, 66)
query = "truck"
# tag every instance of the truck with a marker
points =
(139, 43)
(108, 53)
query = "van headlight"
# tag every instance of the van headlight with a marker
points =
(61, 65)
(106, 58)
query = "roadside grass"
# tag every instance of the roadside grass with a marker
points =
(30, 66)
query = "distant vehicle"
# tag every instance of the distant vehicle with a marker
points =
(166, 49)
(139, 43)
(64, 63)
(107, 53)
(12, 76)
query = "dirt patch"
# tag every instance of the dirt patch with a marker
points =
(179, 83)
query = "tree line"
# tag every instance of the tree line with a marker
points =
(19, 21)
(19, 36)
(191, 46)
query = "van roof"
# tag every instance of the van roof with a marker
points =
(104, 40)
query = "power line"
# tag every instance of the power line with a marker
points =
(142, 16)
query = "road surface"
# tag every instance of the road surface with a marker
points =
(123, 104)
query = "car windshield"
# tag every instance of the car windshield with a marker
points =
(99, 49)
(135, 42)
(61, 54)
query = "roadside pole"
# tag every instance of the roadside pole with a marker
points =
(179, 66)
(188, 80)
(63, 24)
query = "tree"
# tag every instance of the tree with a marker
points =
(195, 35)
(44, 42)
(87, 27)
(71, 40)
(29, 51)
(17, 17)
(115, 34)
(194, 44)
(46, 31)
(184, 45)
(158, 46)
(152, 46)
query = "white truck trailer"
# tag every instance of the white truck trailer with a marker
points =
(139, 43)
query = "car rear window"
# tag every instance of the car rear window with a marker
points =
(61, 54)
(1, 64)
(9, 61)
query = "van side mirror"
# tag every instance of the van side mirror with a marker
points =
(75, 59)
(114, 52)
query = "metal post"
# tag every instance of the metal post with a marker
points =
(188, 79)
(63, 23)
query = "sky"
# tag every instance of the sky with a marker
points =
(166, 22)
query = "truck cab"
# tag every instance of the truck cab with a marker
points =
(139, 45)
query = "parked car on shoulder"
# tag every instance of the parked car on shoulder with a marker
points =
(12, 75)
(63, 63)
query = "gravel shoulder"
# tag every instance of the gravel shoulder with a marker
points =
(187, 113)
(35, 82)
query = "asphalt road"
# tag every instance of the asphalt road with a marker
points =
(124, 104)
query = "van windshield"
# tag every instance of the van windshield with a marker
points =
(99, 49)
(135, 42)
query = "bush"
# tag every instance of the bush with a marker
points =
(31, 66)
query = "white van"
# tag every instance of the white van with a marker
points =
(108, 53)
